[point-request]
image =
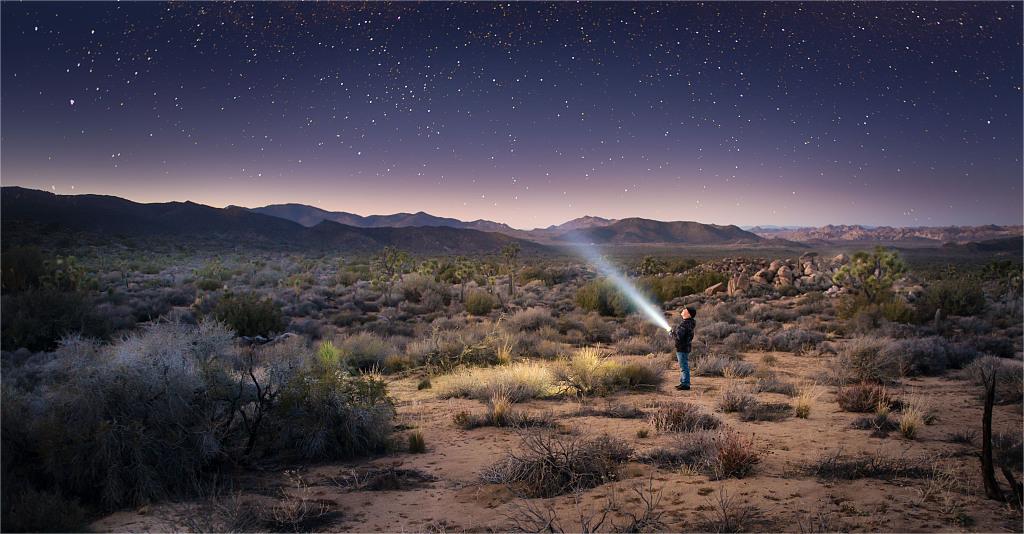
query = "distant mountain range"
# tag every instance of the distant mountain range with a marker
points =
(937, 235)
(311, 216)
(307, 226)
(637, 231)
(46, 213)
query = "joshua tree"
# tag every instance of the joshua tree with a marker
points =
(510, 255)
(388, 268)
(873, 273)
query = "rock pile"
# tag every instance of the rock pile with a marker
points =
(810, 272)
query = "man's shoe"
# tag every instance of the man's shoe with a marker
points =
(680, 386)
(684, 387)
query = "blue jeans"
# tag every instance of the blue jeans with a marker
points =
(684, 367)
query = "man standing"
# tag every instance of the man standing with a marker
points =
(683, 336)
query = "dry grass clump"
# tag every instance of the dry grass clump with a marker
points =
(550, 464)
(837, 465)
(388, 477)
(682, 417)
(590, 371)
(911, 420)
(736, 398)
(806, 397)
(500, 413)
(518, 381)
(861, 398)
(417, 445)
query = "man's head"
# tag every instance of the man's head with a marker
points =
(689, 312)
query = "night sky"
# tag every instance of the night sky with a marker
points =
(531, 114)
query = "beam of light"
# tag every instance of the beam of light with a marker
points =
(647, 308)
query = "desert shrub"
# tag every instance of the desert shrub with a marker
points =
(529, 319)
(596, 329)
(693, 450)
(416, 288)
(837, 465)
(957, 296)
(549, 275)
(736, 398)
(159, 446)
(38, 318)
(1009, 379)
(864, 359)
(207, 284)
(550, 464)
(770, 383)
(636, 373)
(861, 397)
(735, 456)
(796, 340)
(249, 315)
(682, 417)
(479, 302)
(666, 288)
(717, 330)
(879, 423)
(720, 365)
(603, 297)
(365, 351)
(634, 345)
(326, 413)
(518, 381)
(926, 356)
(23, 268)
(33, 510)
(1001, 346)
(766, 411)
(447, 349)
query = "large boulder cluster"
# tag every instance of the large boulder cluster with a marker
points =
(810, 272)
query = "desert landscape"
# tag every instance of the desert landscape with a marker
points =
(205, 386)
(553, 267)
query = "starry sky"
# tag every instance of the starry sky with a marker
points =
(903, 114)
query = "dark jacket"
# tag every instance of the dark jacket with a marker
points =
(683, 334)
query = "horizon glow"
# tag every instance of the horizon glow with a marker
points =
(648, 309)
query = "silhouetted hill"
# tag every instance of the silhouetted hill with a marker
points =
(27, 209)
(311, 216)
(636, 230)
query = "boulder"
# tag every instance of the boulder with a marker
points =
(765, 274)
(841, 259)
(738, 284)
(776, 265)
(715, 288)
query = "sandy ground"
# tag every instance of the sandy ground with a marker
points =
(783, 495)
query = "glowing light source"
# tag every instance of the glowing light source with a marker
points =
(647, 308)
